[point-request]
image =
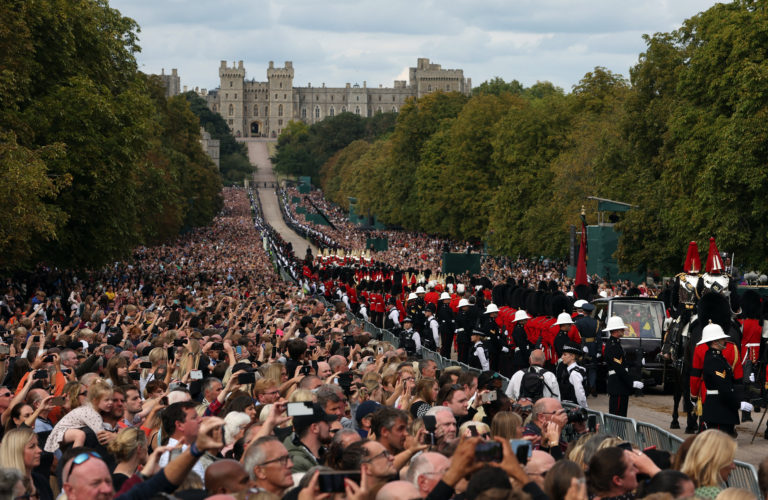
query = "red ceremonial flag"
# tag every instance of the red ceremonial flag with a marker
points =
(581, 265)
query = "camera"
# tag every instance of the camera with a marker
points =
(576, 415)
(489, 451)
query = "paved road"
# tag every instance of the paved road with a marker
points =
(656, 408)
(258, 154)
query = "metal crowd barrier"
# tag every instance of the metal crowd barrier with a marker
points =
(745, 476)
(653, 435)
(640, 434)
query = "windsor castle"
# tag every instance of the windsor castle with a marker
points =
(262, 109)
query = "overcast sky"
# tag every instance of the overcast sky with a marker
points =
(340, 41)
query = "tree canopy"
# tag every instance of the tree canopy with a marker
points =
(94, 159)
(683, 140)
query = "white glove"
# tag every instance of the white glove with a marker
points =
(585, 349)
(752, 377)
(598, 354)
(643, 361)
(504, 349)
(746, 406)
(637, 384)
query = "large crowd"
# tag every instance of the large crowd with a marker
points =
(194, 371)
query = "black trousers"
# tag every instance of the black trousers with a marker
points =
(618, 405)
(446, 344)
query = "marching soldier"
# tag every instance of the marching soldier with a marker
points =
(565, 322)
(523, 347)
(447, 324)
(464, 327)
(497, 345)
(592, 342)
(620, 383)
(722, 404)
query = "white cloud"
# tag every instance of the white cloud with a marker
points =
(340, 41)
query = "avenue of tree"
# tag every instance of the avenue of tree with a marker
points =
(94, 160)
(685, 139)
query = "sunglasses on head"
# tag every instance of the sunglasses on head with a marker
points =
(78, 460)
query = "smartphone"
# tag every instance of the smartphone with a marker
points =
(380, 349)
(274, 351)
(134, 375)
(239, 350)
(179, 342)
(305, 370)
(40, 374)
(164, 401)
(299, 409)
(430, 423)
(522, 450)
(592, 423)
(146, 365)
(473, 431)
(333, 482)
(196, 375)
(489, 451)
(487, 397)
(48, 359)
(58, 401)
(246, 378)
(171, 353)
(36, 338)
(5, 349)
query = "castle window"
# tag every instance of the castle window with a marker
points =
(331, 112)
(226, 95)
(317, 97)
(266, 110)
(393, 98)
(235, 96)
(230, 83)
(429, 88)
(331, 98)
(379, 97)
(281, 84)
(279, 122)
(448, 88)
(275, 96)
(303, 112)
(280, 110)
(231, 110)
(343, 109)
(285, 96)
(394, 109)
(230, 122)
(256, 110)
(317, 111)
(357, 110)
(358, 98)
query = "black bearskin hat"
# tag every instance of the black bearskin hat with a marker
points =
(751, 307)
(583, 292)
(714, 307)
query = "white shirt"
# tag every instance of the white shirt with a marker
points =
(394, 315)
(577, 381)
(166, 457)
(551, 389)
(480, 353)
(433, 325)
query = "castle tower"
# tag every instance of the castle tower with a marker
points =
(231, 97)
(280, 82)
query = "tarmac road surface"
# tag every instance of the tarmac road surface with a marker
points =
(258, 154)
(656, 408)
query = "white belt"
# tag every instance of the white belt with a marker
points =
(459, 330)
(713, 392)
(611, 372)
(517, 349)
(757, 344)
